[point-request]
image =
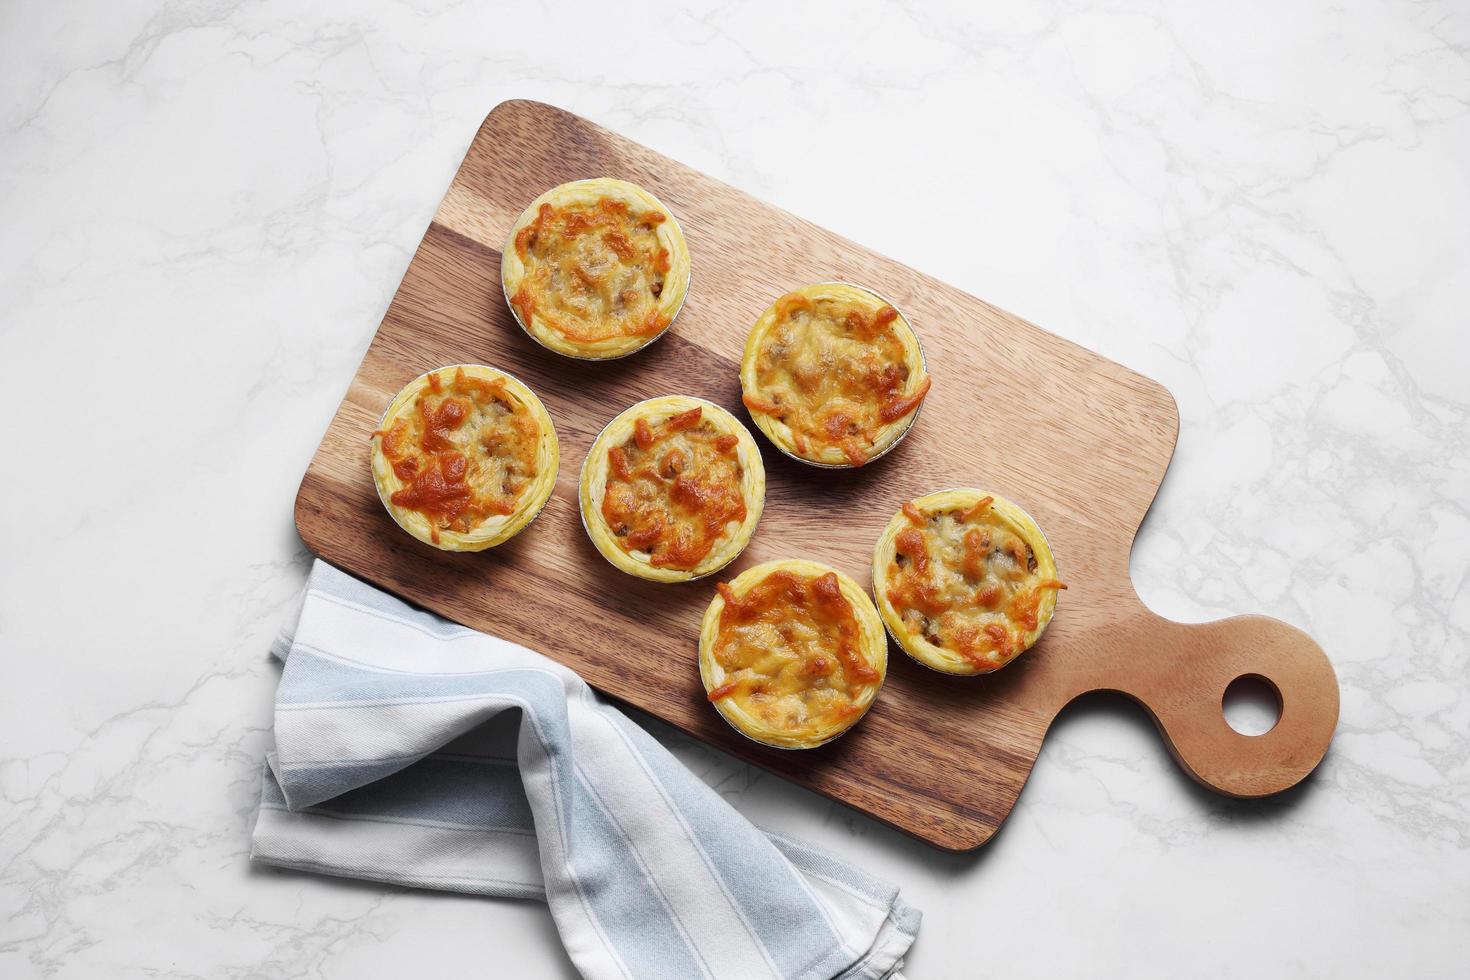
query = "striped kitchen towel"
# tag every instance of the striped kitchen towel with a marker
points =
(414, 751)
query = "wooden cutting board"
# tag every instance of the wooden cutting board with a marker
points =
(1077, 440)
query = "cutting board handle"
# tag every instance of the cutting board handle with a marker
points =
(1180, 671)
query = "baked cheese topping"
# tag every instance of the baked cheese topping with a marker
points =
(674, 490)
(835, 371)
(466, 451)
(791, 651)
(593, 271)
(963, 580)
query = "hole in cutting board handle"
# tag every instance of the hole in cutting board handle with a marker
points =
(1251, 705)
(1182, 672)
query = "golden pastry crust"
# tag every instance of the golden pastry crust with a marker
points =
(965, 581)
(833, 375)
(672, 489)
(792, 653)
(465, 457)
(595, 269)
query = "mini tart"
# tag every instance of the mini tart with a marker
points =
(672, 489)
(595, 269)
(792, 653)
(965, 581)
(833, 375)
(465, 457)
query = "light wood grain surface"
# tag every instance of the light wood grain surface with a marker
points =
(1077, 440)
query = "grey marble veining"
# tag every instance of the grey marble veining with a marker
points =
(205, 206)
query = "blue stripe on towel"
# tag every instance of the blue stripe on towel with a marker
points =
(448, 791)
(880, 894)
(781, 909)
(650, 944)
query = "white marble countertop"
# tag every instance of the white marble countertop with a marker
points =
(205, 206)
